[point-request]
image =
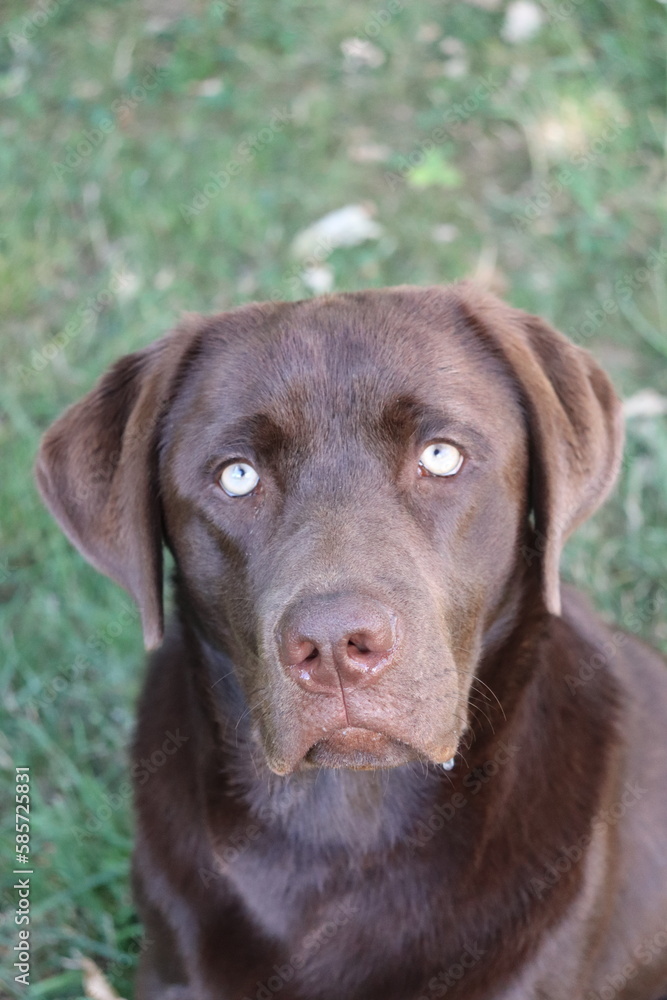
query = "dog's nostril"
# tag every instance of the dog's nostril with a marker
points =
(297, 650)
(333, 639)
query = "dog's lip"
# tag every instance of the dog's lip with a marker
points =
(359, 748)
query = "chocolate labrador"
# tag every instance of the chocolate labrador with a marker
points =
(377, 758)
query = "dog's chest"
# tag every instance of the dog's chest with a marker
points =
(287, 891)
(317, 844)
(272, 890)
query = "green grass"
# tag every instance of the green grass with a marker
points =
(550, 185)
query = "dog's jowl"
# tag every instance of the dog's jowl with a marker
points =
(384, 773)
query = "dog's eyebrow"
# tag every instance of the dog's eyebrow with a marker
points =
(401, 421)
(406, 418)
(260, 432)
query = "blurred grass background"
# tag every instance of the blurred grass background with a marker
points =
(520, 143)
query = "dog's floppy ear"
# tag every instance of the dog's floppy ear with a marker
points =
(97, 472)
(574, 417)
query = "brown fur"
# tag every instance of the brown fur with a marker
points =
(300, 838)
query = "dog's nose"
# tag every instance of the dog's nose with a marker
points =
(336, 639)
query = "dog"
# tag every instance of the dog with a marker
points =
(400, 765)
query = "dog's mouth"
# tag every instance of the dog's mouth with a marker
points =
(361, 750)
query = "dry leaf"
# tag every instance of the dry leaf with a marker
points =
(95, 984)
(346, 227)
(645, 403)
(523, 19)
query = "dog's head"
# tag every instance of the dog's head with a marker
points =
(347, 485)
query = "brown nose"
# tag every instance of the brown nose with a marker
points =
(335, 639)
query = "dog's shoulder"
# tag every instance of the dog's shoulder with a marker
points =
(638, 810)
(639, 669)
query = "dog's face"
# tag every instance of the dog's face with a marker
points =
(343, 489)
(346, 487)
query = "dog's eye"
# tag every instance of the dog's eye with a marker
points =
(441, 459)
(238, 479)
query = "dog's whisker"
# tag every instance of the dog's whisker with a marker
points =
(478, 708)
(478, 680)
(224, 677)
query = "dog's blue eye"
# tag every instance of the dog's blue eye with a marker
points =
(238, 479)
(441, 459)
